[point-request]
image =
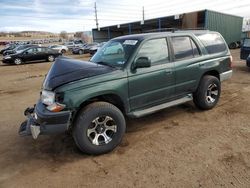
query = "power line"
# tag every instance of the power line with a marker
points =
(64, 18)
(96, 20)
(143, 14)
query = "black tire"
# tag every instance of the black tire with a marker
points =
(63, 51)
(208, 93)
(232, 45)
(51, 58)
(81, 52)
(18, 61)
(86, 133)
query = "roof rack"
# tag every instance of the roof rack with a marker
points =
(173, 29)
(161, 30)
(196, 28)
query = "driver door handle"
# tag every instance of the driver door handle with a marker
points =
(167, 71)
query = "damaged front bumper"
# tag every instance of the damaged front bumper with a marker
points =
(42, 121)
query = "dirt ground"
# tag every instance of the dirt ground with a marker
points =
(177, 147)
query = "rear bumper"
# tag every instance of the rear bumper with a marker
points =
(248, 62)
(92, 52)
(40, 121)
(226, 75)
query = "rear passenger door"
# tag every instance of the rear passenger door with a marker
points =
(186, 61)
(43, 53)
(152, 85)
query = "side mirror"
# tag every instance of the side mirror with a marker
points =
(142, 62)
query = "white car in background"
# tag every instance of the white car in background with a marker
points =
(60, 48)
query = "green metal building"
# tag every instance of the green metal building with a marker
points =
(230, 26)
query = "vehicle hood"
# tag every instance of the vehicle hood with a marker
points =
(6, 48)
(94, 48)
(14, 53)
(10, 51)
(65, 70)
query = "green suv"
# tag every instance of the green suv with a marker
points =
(146, 73)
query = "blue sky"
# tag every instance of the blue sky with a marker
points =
(78, 15)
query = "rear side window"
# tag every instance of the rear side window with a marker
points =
(213, 42)
(156, 50)
(39, 49)
(184, 48)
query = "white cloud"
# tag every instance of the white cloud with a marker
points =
(57, 15)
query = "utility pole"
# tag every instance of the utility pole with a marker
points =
(96, 20)
(143, 15)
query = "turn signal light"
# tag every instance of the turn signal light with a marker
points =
(56, 107)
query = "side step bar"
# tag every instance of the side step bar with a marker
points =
(140, 113)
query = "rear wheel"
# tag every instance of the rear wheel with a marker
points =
(18, 61)
(233, 45)
(208, 93)
(63, 51)
(51, 58)
(99, 128)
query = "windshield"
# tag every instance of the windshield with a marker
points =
(115, 53)
(246, 42)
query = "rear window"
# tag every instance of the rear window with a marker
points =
(246, 42)
(213, 42)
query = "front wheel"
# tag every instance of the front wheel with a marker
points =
(99, 128)
(208, 93)
(18, 61)
(51, 58)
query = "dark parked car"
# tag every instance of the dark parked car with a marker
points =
(94, 48)
(83, 49)
(153, 71)
(31, 54)
(248, 61)
(8, 47)
(245, 49)
(87, 48)
(79, 49)
(18, 49)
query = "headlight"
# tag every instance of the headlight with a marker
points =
(48, 97)
(7, 57)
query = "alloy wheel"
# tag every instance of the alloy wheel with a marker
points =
(51, 58)
(102, 130)
(18, 61)
(212, 93)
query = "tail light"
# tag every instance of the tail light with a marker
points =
(231, 61)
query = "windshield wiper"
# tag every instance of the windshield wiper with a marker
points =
(105, 63)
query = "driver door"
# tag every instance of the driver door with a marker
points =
(30, 54)
(152, 85)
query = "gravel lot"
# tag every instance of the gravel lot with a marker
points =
(177, 147)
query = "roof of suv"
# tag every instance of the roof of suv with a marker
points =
(143, 36)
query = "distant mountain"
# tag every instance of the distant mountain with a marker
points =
(29, 34)
(37, 32)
